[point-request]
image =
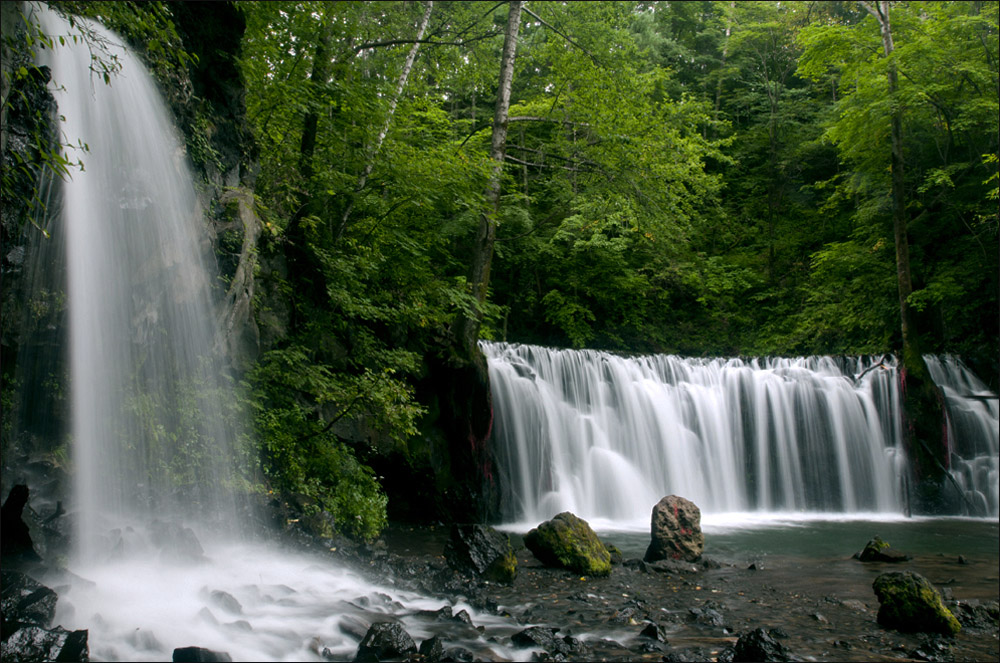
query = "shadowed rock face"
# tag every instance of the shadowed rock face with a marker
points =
(481, 551)
(568, 541)
(909, 602)
(675, 531)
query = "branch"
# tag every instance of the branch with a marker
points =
(563, 35)
(508, 157)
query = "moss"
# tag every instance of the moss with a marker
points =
(908, 602)
(503, 569)
(568, 541)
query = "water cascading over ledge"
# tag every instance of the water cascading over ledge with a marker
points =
(152, 437)
(606, 436)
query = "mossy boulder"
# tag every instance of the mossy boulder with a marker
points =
(568, 541)
(909, 602)
(877, 550)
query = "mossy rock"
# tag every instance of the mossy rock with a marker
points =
(568, 541)
(877, 550)
(909, 602)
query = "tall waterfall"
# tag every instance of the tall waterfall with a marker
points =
(606, 436)
(150, 436)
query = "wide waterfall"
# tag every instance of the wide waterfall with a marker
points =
(607, 436)
(150, 431)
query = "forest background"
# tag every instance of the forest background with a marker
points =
(698, 178)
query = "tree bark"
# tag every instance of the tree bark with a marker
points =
(377, 146)
(482, 256)
(925, 422)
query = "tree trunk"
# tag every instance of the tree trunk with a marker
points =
(374, 149)
(925, 422)
(482, 255)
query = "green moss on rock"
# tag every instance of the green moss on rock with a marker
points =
(909, 602)
(568, 541)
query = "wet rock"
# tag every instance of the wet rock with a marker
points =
(707, 616)
(758, 645)
(385, 640)
(974, 615)
(25, 601)
(877, 550)
(675, 531)
(459, 654)
(481, 551)
(34, 643)
(547, 639)
(432, 649)
(909, 602)
(654, 632)
(16, 545)
(352, 626)
(616, 554)
(226, 601)
(569, 542)
(199, 655)
(176, 542)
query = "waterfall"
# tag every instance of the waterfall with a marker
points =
(973, 432)
(607, 436)
(151, 433)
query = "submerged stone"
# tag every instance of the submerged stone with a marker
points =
(568, 541)
(877, 550)
(199, 655)
(909, 602)
(675, 531)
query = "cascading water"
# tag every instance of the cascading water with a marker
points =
(606, 437)
(161, 562)
(149, 426)
(973, 433)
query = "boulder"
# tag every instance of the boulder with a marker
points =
(34, 643)
(675, 531)
(432, 649)
(877, 550)
(909, 602)
(547, 639)
(16, 545)
(758, 645)
(25, 601)
(385, 640)
(569, 542)
(199, 655)
(481, 551)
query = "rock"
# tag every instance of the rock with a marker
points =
(34, 643)
(545, 638)
(654, 632)
(481, 551)
(675, 531)
(25, 601)
(616, 554)
(226, 601)
(16, 545)
(877, 550)
(176, 542)
(977, 616)
(199, 655)
(385, 640)
(569, 542)
(909, 602)
(432, 649)
(758, 645)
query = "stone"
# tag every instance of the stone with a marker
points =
(616, 554)
(675, 531)
(15, 544)
(385, 640)
(432, 649)
(908, 602)
(877, 550)
(758, 645)
(34, 643)
(199, 655)
(481, 551)
(568, 541)
(25, 601)
(654, 632)
(546, 638)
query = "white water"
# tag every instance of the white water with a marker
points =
(149, 427)
(606, 436)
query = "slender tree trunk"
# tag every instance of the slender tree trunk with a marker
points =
(393, 102)
(482, 256)
(925, 419)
